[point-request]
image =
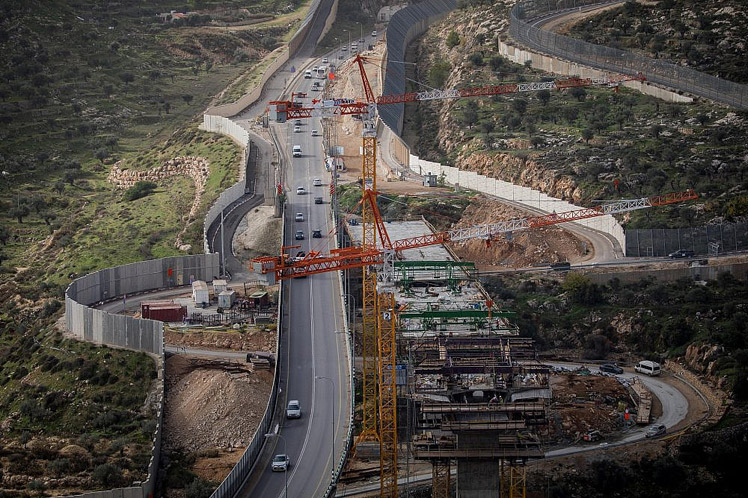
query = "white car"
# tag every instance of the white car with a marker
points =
(294, 409)
(325, 61)
(374, 33)
(299, 216)
(281, 463)
(315, 133)
(317, 182)
(300, 190)
(297, 129)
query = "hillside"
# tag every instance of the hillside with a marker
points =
(87, 86)
(581, 145)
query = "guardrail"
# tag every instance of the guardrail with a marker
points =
(620, 61)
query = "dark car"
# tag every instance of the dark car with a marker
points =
(611, 368)
(299, 235)
(681, 253)
(316, 234)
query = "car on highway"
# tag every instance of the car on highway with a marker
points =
(315, 133)
(655, 430)
(281, 463)
(325, 60)
(293, 410)
(316, 234)
(297, 129)
(299, 256)
(611, 368)
(374, 33)
(318, 199)
(296, 151)
(299, 235)
(593, 435)
(299, 216)
(344, 49)
(681, 253)
(317, 182)
(300, 190)
(297, 122)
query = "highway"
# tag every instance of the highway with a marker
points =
(316, 369)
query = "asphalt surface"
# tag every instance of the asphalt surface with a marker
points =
(315, 369)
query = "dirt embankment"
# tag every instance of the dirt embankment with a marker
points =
(213, 409)
(252, 340)
(547, 245)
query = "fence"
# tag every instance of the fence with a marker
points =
(233, 482)
(406, 24)
(528, 197)
(620, 61)
(706, 240)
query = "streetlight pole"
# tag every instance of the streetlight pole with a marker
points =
(332, 437)
(285, 472)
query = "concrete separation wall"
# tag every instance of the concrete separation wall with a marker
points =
(555, 65)
(406, 25)
(672, 274)
(101, 327)
(521, 195)
(656, 71)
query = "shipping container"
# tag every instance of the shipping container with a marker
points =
(166, 311)
(258, 299)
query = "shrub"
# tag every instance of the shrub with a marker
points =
(140, 189)
(199, 489)
(107, 475)
(453, 39)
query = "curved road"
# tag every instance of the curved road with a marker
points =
(315, 368)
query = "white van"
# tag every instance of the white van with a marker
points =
(307, 74)
(648, 368)
(297, 151)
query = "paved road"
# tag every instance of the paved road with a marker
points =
(316, 371)
(674, 409)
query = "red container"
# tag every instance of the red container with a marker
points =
(164, 311)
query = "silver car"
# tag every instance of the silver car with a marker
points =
(293, 410)
(281, 463)
(655, 430)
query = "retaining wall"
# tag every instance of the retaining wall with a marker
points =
(717, 399)
(521, 195)
(406, 25)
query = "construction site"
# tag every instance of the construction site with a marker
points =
(445, 375)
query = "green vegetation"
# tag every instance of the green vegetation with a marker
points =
(84, 86)
(592, 142)
(706, 37)
(441, 209)
(650, 318)
(140, 189)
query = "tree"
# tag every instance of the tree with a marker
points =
(127, 77)
(578, 93)
(496, 63)
(70, 176)
(438, 74)
(544, 96)
(655, 130)
(470, 114)
(187, 98)
(107, 474)
(19, 211)
(59, 187)
(48, 217)
(4, 234)
(487, 126)
(453, 39)
(101, 154)
(587, 135)
(38, 203)
(167, 106)
(476, 59)
(208, 65)
(520, 105)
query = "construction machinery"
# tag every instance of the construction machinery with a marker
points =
(379, 321)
